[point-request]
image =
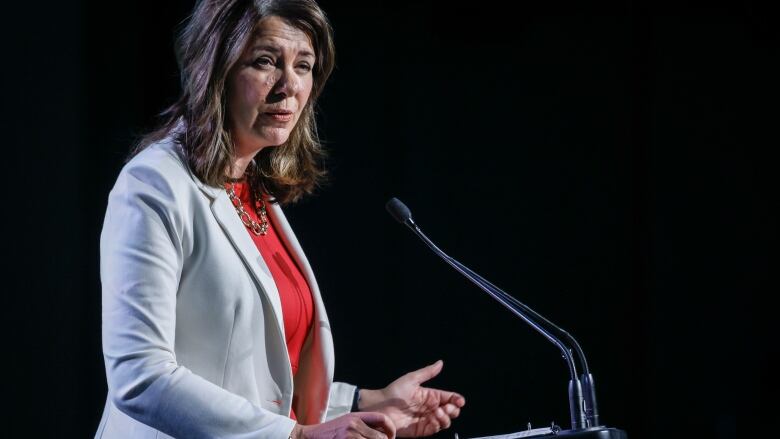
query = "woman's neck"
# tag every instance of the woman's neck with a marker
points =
(239, 166)
(243, 160)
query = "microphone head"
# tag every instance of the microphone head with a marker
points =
(398, 210)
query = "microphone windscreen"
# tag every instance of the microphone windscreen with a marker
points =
(398, 210)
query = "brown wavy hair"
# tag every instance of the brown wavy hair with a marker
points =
(208, 46)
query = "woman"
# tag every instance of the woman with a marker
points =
(213, 325)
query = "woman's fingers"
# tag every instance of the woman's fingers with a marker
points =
(359, 425)
(445, 396)
(420, 376)
(367, 432)
(432, 426)
(451, 410)
(443, 418)
(457, 399)
(379, 421)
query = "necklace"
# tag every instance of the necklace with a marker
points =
(259, 229)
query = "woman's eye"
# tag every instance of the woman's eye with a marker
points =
(263, 61)
(306, 67)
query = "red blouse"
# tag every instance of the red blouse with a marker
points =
(294, 292)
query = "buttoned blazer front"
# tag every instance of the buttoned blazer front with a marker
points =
(193, 337)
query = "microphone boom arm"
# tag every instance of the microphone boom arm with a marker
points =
(588, 385)
(577, 405)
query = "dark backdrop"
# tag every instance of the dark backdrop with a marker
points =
(610, 165)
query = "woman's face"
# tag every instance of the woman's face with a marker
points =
(269, 86)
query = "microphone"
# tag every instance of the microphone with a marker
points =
(399, 211)
(582, 407)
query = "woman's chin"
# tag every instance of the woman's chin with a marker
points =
(273, 136)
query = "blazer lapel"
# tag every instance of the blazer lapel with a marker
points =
(226, 216)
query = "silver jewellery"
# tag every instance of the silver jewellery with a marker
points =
(259, 229)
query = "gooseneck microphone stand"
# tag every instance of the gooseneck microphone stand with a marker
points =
(583, 410)
(586, 379)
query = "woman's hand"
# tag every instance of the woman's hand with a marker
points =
(359, 425)
(415, 410)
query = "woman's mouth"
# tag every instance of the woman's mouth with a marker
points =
(280, 115)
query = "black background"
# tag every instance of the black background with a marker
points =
(610, 164)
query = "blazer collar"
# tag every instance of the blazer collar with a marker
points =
(211, 191)
(226, 216)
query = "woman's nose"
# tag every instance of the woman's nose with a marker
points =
(288, 83)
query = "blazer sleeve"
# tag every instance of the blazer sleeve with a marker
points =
(141, 256)
(340, 400)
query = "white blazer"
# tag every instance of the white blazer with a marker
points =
(193, 338)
